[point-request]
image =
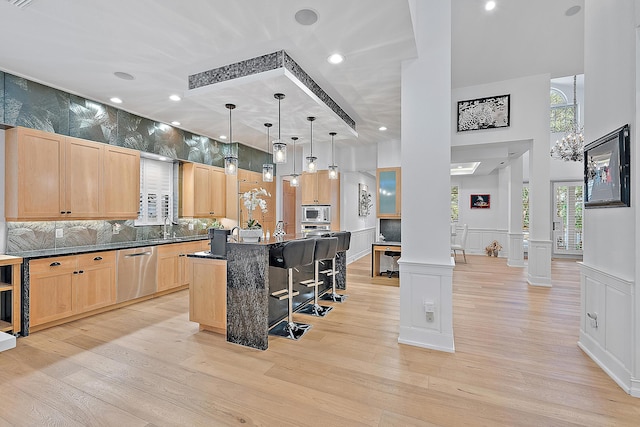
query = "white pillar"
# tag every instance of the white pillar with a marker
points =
(426, 266)
(516, 249)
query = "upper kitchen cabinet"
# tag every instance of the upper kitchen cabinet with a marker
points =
(318, 189)
(389, 190)
(121, 183)
(51, 177)
(202, 191)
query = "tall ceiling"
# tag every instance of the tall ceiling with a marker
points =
(78, 45)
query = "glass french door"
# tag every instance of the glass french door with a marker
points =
(567, 218)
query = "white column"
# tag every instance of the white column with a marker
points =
(516, 249)
(426, 266)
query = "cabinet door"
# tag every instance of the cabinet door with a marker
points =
(34, 175)
(309, 188)
(218, 192)
(201, 191)
(168, 267)
(94, 281)
(50, 297)
(389, 189)
(83, 178)
(121, 183)
(324, 186)
(208, 294)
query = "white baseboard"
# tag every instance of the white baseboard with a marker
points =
(610, 365)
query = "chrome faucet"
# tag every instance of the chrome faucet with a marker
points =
(237, 236)
(166, 233)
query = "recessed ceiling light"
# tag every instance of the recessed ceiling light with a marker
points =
(306, 17)
(175, 123)
(116, 100)
(490, 5)
(382, 128)
(223, 136)
(124, 76)
(175, 97)
(336, 58)
(573, 10)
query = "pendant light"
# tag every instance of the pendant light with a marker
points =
(279, 146)
(333, 169)
(294, 176)
(312, 165)
(231, 160)
(267, 168)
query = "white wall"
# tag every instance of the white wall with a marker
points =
(389, 154)
(362, 228)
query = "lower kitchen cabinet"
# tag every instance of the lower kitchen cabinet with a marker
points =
(65, 286)
(172, 263)
(208, 294)
(10, 298)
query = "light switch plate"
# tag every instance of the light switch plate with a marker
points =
(59, 233)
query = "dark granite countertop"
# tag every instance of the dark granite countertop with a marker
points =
(206, 255)
(44, 253)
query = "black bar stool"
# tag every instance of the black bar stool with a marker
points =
(344, 241)
(325, 250)
(289, 255)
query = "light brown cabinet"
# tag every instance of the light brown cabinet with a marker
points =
(64, 286)
(247, 181)
(389, 192)
(10, 288)
(208, 294)
(202, 191)
(121, 183)
(173, 270)
(53, 177)
(318, 189)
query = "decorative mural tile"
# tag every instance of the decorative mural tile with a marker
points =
(136, 132)
(92, 120)
(35, 106)
(203, 150)
(27, 236)
(2, 97)
(169, 141)
(244, 157)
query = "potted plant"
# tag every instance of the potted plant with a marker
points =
(251, 200)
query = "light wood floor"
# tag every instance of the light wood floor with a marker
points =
(516, 364)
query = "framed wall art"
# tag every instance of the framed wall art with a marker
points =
(607, 171)
(480, 201)
(364, 200)
(484, 113)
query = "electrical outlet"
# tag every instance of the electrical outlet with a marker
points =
(59, 233)
(190, 226)
(429, 310)
(115, 229)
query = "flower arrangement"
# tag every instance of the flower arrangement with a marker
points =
(251, 200)
(493, 248)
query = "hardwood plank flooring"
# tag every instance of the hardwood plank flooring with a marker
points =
(516, 364)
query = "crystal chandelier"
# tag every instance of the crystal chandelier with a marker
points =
(571, 147)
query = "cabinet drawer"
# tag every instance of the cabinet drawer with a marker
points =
(53, 264)
(96, 259)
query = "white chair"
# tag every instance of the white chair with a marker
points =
(463, 243)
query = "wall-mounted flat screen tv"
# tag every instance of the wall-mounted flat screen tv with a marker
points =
(607, 167)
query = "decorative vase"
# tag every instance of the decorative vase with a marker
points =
(251, 235)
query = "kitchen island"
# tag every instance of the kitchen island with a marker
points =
(250, 311)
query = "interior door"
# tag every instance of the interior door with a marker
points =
(567, 218)
(289, 207)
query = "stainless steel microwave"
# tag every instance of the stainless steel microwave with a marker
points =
(316, 213)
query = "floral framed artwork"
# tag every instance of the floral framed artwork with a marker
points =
(480, 201)
(364, 200)
(484, 113)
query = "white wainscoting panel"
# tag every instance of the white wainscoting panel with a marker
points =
(361, 241)
(607, 339)
(480, 238)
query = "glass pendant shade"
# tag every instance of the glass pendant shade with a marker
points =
(267, 168)
(231, 160)
(267, 172)
(333, 169)
(333, 172)
(312, 164)
(279, 147)
(295, 181)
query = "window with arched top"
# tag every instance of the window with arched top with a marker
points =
(562, 112)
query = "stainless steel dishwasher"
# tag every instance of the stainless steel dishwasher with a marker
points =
(137, 273)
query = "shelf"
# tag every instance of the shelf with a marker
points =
(5, 326)
(5, 287)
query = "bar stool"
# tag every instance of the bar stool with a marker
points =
(344, 241)
(395, 256)
(289, 255)
(325, 250)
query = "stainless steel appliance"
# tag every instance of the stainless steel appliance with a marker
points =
(218, 239)
(136, 276)
(316, 214)
(313, 227)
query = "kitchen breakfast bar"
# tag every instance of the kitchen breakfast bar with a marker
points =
(252, 282)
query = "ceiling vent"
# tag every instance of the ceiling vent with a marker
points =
(20, 3)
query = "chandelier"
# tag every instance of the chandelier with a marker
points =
(571, 147)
